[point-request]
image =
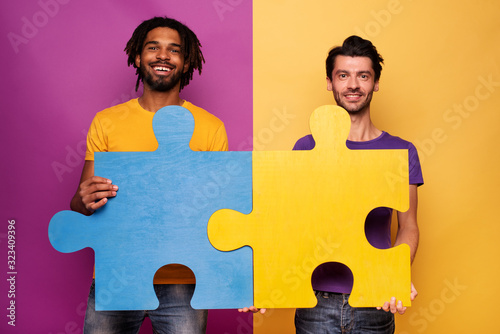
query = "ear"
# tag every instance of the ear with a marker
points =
(185, 68)
(138, 61)
(329, 84)
(375, 88)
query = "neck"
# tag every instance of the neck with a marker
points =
(362, 127)
(154, 100)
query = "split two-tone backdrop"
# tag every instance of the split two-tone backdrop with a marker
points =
(63, 61)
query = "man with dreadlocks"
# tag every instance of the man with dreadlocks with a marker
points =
(165, 54)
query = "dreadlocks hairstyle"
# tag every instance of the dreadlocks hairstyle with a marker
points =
(191, 46)
(355, 46)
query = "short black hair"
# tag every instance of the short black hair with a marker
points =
(355, 46)
(191, 46)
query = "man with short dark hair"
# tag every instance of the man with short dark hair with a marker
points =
(353, 73)
(165, 54)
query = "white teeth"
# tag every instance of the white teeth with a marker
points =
(164, 69)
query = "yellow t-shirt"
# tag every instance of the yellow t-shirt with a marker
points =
(128, 127)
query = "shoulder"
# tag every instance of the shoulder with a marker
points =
(415, 168)
(209, 132)
(305, 143)
(399, 143)
(202, 116)
(388, 141)
(395, 141)
(119, 111)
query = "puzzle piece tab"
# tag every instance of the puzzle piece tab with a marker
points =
(159, 217)
(309, 207)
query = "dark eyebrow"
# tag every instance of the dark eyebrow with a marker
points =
(156, 43)
(341, 71)
(151, 42)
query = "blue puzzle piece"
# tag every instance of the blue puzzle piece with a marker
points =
(160, 217)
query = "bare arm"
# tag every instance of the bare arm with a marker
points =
(407, 224)
(93, 191)
(407, 234)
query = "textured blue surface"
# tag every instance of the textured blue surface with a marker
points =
(160, 216)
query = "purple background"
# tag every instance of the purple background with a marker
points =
(69, 64)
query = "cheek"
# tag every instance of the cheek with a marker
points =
(337, 88)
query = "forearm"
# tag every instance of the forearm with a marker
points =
(408, 235)
(76, 203)
(408, 232)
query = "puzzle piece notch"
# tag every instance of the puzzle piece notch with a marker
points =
(310, 208)
(131, 243)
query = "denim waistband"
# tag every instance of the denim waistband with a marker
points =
(328, 293)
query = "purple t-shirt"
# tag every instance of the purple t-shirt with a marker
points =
(336, 277)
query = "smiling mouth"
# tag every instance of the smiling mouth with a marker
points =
(353, 96)
(162, 69)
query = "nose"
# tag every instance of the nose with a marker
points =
(163, 54)
(353, 82)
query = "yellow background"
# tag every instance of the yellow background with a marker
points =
(440, 89)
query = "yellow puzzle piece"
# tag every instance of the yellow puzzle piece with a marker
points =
(309, 207)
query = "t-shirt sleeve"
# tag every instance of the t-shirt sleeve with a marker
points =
(96, 140)
(415, 170)
(220, 142)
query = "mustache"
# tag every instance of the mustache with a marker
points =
(354, 91)
(162, 63)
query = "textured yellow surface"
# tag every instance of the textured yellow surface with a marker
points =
(309, 207)
(440, 90)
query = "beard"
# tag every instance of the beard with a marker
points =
(160, 83)
(353, 108)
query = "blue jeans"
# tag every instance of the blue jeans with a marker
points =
(333, 314)
(174, 315)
